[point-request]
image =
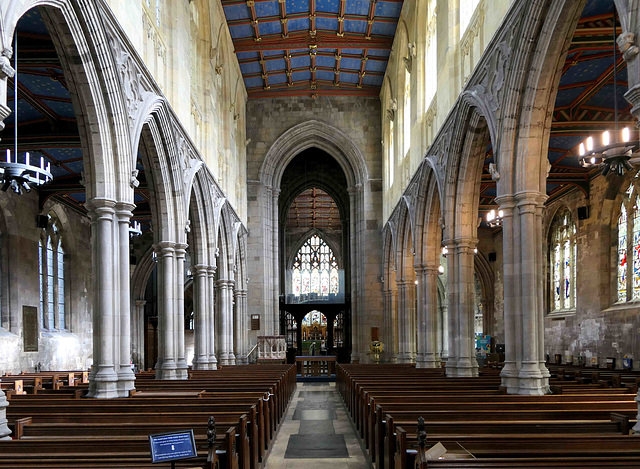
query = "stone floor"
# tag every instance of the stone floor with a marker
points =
(317, 433)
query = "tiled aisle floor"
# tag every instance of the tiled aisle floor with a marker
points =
(316, 433)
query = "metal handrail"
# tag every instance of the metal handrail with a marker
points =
(251, 352)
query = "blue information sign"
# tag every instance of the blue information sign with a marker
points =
(172, 446)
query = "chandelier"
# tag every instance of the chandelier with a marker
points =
(21, 175)
(618, 151)
(494, 219)
(135, 230)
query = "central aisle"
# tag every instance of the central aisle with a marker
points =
(316, 433)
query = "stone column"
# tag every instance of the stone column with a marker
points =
(181, 362)
(404, 330)
(428, 301)
(103, 378)
(541, 260)
(275, 296)
(509, 372)
(530, 377)
(200, 284)
(137, 333)
(166, 366)
(126, 378)
(6, 72)
(226, 332)
(229, 332)
(412, 292)
(242, 325)
(387, 331)
(452, 310)
(421, 319)
(467, 364)
(355, 194)
(211, 322)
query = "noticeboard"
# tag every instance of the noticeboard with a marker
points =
(172, 446)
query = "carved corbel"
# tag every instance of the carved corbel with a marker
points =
(393, 107)
(133, 182)
(6, 71)
(627, 45)
(493, 170)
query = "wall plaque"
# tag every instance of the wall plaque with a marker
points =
(255, 322)
(30, 328)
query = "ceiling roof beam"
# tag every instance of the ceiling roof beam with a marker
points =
(257, 93)
(321, 41)
(599, 83)
(37, 104)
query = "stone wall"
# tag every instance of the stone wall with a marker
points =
(359, 119)
(599, 326)
(69, 349)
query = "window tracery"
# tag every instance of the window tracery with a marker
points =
(563, 253)
(315, 269)
(52, 278)
(628, 245)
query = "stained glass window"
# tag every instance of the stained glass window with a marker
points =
(51, 272)
(314, 317)
(407, 113)
(562, 259)
(315, 269)
(622, 255)
(392, 155)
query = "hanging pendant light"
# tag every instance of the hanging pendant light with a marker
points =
(21, 175)
(619, 149)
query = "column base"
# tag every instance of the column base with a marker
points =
(200, 363)
(4, 429)
(242, 360)
(355, 357)
(532, 386)
(213, 362)
(182, 369)
(166, 369)
(405, 357)
(103, 384)
(509, 375)
(465, 368)
(126, 381)
(232, 358)
(451, 367)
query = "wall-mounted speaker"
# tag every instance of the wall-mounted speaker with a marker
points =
(42, 221)
(583, 212)
(492, 257)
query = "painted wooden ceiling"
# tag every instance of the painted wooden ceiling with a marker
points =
(312, 47)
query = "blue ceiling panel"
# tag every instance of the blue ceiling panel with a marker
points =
(304, 61)
(383, 29)
(604, 98)
(327, 24)
(251, 67)
(240, 31)
(60, 108)
(566, 97)
(137, 198)
(585, 71)
(381, 53)
(373, 80)
(75, 166)
(31, 22)
(352, 64)
(268, 28)
(273, 65)
(598, 7)
(489, 191)
(268, 53)
(277, 79)
(358, 7)
(352, 26)
(248, 55)
(297, 6)
(26, 113)
(329, 6)
(43, 87)
(64, 154)
(322, 61)
(325, 75)
(555, 156)
(566, 142)
(388, 9)
(352, 51)
(298, 24)
(349, 77)
(304, 75)
(237, 12)
(267, 8)
(376, 66)
(253, 82)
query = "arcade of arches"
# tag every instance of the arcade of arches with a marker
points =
(336, 189)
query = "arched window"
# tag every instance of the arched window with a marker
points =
(407, 113)
(562, 257)
(467, 8)
(52, 277)
(315, 269)
(392, 154)
(431, 51)
(628, 254)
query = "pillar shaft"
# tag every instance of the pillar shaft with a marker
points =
(452, 310)
(242, 325)
(166, 366)
(211, 322)
(467, 364)
(404, 355)
(126, 378)
(200, 356)
(428, 316)
(103, 378)
(181, 362)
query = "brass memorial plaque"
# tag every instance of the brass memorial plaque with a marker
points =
(255, 322)
(30, 328)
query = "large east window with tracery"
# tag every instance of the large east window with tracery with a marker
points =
(628, 245)
(563, 254)
(315, 270)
